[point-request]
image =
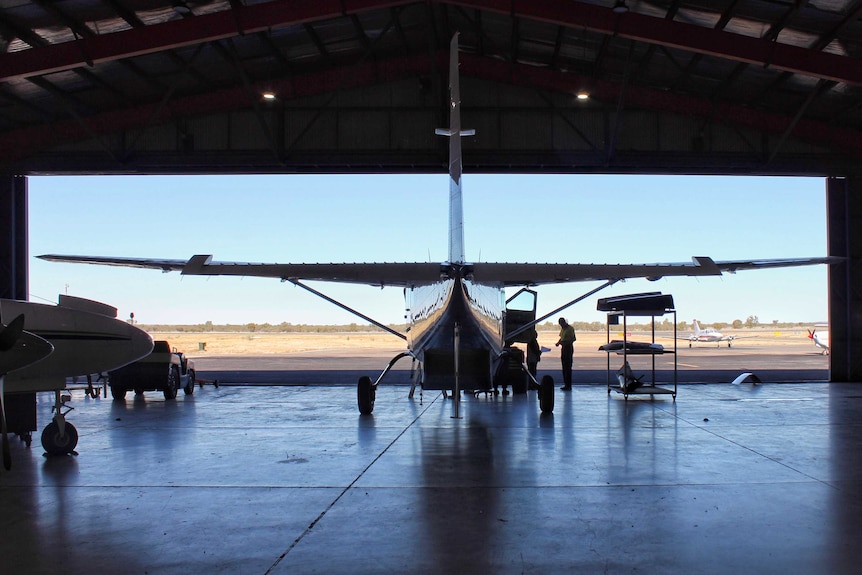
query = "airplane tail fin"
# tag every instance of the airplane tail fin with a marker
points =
(454, 133)
(696, 326)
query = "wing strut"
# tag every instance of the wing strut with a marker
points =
(296, 282)
(537, 321)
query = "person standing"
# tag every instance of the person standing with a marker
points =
(566, 343)
(534, 354)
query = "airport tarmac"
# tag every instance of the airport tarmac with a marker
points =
(291, 479)
(702, 363)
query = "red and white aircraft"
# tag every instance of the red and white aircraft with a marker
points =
(821, 340)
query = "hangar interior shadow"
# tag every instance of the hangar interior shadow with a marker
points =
(292, 480)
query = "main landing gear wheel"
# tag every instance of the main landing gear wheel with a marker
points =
(546, 394)
(172, 384)
(190, 383)
(56, 445)
(365, 395)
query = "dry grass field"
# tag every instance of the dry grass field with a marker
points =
(263, 344)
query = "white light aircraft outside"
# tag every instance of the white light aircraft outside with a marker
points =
(459, 322)
(708, 335)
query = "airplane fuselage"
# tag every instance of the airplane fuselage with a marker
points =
(708, 337)
(434, 312)
(83, 342)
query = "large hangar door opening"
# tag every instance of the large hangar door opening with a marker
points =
(365, 218)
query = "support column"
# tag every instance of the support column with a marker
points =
(14, 271)
(14, 284)
(844, 231)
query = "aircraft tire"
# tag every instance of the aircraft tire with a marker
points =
(365, 395)
(53, 444)
(190, 383)
(172, 384)
(546, 394)
(118, 393)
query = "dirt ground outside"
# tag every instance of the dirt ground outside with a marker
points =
(261, 344)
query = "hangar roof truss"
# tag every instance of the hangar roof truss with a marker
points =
(675, 86)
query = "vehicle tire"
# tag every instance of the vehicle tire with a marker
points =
(190, 383)
(172, 383)
(118, 393)
(365, 395)
(546, 394)
(54, 444)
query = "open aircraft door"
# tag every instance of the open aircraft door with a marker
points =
(520, 311)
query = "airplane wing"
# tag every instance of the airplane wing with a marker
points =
(512, 274)
(410, 274)
(376, 274)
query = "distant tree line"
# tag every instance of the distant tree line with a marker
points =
(283, 327)
(661, 323)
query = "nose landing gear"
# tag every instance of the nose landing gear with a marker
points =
(60, 437)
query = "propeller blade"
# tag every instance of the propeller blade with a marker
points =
(10, 334)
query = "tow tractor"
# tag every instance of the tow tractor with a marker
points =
(165, 370)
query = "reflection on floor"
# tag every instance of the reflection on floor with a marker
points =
(728, 479)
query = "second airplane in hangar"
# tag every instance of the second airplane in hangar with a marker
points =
(459, 323)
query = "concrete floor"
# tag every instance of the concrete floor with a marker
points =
(259, 480)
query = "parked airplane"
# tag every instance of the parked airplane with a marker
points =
(708, 335)
(86, 338)
(459, 322)
(821, 340)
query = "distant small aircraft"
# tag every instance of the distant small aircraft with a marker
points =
(708, 335)
(821, 340)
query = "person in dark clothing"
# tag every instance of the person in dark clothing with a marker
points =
(566, 343)
(534, 354)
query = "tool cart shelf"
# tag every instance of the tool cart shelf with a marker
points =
(652, 305)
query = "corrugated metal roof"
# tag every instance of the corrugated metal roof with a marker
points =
(788, 69)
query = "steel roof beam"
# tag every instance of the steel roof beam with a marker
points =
(669, 33)
(19, 144)
(249, 19)
(178, 33)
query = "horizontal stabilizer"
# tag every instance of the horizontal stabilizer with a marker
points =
(88, 305)
(450, 133)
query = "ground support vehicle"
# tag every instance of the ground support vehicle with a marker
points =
(164, 370)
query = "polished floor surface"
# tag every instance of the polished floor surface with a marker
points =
(290, 480)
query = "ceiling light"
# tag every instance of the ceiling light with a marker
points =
(268, 95)
(620, 7)
(583, 96)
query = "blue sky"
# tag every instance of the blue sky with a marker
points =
(358, 218)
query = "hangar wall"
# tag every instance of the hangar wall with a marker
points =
(14, 271)
(844, 231)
